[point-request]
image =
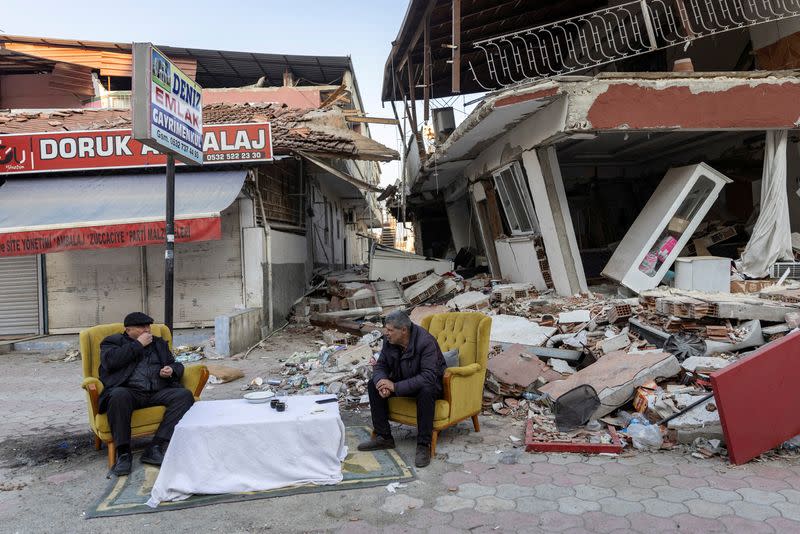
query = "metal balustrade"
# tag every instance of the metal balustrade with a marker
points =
(614, 33)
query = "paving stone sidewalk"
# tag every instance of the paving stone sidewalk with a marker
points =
(479, 482)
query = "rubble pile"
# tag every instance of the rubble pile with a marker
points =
(648, 358)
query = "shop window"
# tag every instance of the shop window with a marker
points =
(516, 200)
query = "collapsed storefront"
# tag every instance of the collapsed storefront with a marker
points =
(558, 171)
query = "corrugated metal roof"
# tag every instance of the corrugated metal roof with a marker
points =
(223, 68)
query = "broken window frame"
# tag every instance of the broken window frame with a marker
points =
(515, 198)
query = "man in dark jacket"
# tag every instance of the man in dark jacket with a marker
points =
(410, 365)
(138, 370)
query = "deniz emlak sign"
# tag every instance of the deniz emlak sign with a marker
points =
(167, 106)
(116, 149)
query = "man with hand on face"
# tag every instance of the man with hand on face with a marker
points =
(410, 365)
(138, 370)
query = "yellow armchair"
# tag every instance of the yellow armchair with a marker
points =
(145, 421)
(463, 385)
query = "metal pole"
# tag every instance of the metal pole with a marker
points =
(169, 255)
(692, 405)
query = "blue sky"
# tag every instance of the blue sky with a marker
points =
(362, 29)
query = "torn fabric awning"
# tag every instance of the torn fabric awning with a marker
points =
(44, 215)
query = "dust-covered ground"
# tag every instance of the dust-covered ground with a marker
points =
(478, 482)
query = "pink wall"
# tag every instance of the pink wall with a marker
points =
(291, 96)
(32, 91)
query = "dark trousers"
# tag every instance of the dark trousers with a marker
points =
(123, 401)
(426, 403)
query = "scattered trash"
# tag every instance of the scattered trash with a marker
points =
(392, 487)
(220, 374)
(644, 435)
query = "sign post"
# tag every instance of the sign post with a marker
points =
(167, 116)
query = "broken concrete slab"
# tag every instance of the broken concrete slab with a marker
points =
(576, 316)
(760, 311)
(414, 278)
(511, 329)
(517, 291)
(350, 358)
(653, 335)
(389, 294)
(362, 298)
(391, 264)
(471, 300)
(343, 325)
(615, 343)
(561, 367)
(616, 376)
(550, 352)
(517, 368)
(420, 312)
(700, 422)
(424, 289)
(754, 338)
(450, 287)
(344, 314)
(704, 364)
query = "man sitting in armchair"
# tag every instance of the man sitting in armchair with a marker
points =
(138, 370)
(410, 364)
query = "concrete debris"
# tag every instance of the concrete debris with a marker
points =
(615, 342)
(471, 300)
(704, 364)
(510, 329)
(616, 376)
(424, 289)
(654, 352)
(696, 423)
(577, 316)
(560, 366)
(420, 312)
(514, 370)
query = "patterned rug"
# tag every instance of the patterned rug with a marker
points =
(128, 495)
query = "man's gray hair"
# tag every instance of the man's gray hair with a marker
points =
(398, 319)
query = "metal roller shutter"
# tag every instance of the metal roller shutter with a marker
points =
(19, 295)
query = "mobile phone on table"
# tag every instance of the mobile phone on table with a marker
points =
(325, 401)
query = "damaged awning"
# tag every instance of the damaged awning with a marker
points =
(91, 212)
(352, 180)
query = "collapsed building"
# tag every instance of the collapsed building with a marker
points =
(566, 172)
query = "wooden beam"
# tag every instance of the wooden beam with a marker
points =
(417, 34)
(334, 96)
(455, 66)
(426, 70)
(411, 90)
(372, 120)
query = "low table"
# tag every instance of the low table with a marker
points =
(231, 446)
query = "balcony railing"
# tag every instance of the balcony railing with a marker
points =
(611, 34)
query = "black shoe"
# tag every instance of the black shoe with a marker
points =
(123, 465)
(377, 443)
(423, 456)
(153, 455)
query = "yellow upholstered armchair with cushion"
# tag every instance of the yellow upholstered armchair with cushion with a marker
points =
(463, 385)
(145, 421)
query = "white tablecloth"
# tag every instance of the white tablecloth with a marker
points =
(231, 446)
